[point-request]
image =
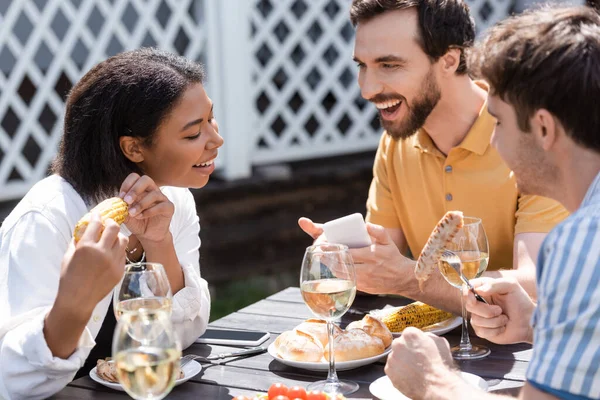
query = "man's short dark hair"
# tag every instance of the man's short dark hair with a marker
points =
(547, 59)
(443, 24)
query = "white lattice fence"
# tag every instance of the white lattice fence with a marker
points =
(307, 102)
(280, 73)
(47, 45)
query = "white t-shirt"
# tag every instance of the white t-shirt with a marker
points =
(33, 241)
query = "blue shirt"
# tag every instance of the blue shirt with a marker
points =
(566, 322)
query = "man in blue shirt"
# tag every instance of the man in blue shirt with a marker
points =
(544, 74)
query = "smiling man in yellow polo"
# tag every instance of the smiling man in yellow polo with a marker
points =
(435, 153)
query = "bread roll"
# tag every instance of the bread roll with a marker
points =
(355, 344)
(299, 346)
(318, 328)
(373, 327)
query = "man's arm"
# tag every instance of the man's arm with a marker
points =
(381, 269)
(399, 239)
(525, 251)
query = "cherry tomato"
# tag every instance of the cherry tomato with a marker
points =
(297, 392)
(316, 395)
(277, 389)
(281, 397)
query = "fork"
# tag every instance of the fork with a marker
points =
(190, 357)
(454, 261)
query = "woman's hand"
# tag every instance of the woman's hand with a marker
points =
(90, 270)
(150, 211)
(93, 266)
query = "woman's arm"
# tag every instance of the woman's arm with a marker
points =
(191, 305)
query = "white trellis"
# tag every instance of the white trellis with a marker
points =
(280, 73)
(47, 45)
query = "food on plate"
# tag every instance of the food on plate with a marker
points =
(415, 314)
(307, 342)
(298, 345)
(374, 327)
(114, 208)
(279, 391)
(318, 328)
(441, 235)
(106, 369)
(355, 344)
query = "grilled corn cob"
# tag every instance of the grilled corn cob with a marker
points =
(416, 314)
(114, 208)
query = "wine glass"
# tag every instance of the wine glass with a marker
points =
(470, 245)
(328, 286)
(144, 285)
(147, 369)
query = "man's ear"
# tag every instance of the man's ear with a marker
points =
(450, 61)
(131, 148)
(545, 128)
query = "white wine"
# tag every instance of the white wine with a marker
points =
(148, 372)
(149, 303)
(328, 298)
(474, 263)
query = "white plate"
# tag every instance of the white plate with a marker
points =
(383, 389)
(189, 370)
(324, 366)
(440, 328)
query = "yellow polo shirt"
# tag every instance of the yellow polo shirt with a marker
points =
(414, 184)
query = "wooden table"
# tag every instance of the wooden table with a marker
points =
(504, 369)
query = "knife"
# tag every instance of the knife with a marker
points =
(244, 352)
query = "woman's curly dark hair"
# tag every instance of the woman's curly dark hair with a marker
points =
(129, 94)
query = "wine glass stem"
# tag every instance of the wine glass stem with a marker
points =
(465, 342)
(331, 375)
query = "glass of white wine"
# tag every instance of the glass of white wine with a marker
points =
(328, 286)
(470, 245)
(144, 285)
(147, 369)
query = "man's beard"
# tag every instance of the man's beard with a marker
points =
(534, 173)
(418, 111)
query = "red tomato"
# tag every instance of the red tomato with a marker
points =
(316, 395)
(277, 389)
(297, 392)
(281, 397)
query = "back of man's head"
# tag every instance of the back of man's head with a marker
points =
(443, 24)
(547, 58)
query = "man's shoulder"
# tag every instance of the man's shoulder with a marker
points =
(573, 224)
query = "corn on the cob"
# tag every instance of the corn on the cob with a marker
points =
(416, 314)
(114, 208)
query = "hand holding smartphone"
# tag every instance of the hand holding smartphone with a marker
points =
(350, 230)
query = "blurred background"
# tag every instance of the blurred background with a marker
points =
(299, 139)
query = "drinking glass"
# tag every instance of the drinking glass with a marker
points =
(328, 286)
(470, 245)
(144, 285)
(148, 367)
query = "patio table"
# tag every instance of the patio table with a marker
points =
(504, 369)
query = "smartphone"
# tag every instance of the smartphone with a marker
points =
(350, 230)
(232, 337)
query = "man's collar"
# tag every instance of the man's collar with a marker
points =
(477, 139)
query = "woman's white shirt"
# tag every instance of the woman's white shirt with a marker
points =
(33, 241)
